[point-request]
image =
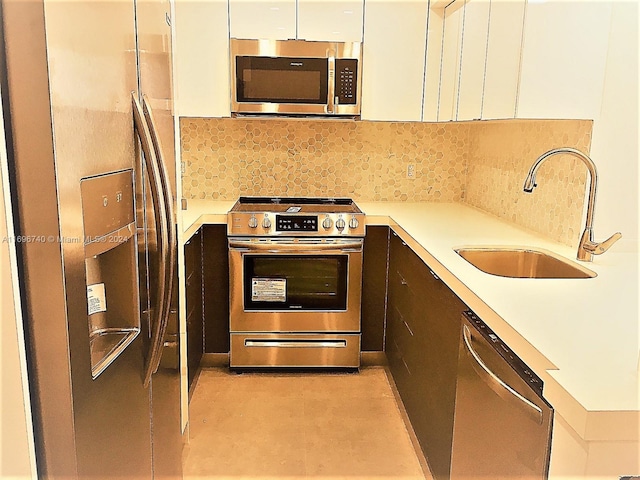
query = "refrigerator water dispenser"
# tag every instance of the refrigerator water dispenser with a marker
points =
(110, 265)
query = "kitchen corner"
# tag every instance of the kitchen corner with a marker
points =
(591, 380)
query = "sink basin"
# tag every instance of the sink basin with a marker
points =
(516, 262)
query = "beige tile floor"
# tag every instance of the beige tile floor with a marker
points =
(298, 425)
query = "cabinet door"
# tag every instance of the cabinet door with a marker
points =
(195, 326)
(374, 287)
(433, 62)
(482, 45)
(215, 265)
(330, 20)
(437, 321)
(450, 68)
(202, 59)
(394, 59)
(473, 55)
(564, 59)
(262, 19)
(504, 48)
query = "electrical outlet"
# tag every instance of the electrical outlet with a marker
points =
(411, 171)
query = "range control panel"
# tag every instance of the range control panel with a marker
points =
(296, 223)
(322, 224)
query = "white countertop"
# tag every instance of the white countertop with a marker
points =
(580, 335)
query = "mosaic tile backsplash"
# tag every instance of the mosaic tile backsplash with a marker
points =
(226, 158)
(480, 163)
(499, 158)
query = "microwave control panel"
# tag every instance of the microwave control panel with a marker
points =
(346, 81)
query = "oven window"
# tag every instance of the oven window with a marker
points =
(295, 282)
(282, 80)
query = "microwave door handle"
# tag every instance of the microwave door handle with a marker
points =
(331, 84)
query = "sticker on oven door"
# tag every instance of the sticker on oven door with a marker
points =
(268, 290)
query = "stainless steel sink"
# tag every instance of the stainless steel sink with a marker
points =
(516, 262)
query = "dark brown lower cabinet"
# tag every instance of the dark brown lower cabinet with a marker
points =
(194, 304)
(423, 328)
(207, 295)
(215, 274)
(374, 287)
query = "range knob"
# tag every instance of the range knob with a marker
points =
(353, 223)
(340, 224)
(253, 222)
(327, 223)
(266, 223)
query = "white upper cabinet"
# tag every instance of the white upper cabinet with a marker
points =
(482, 44)
(564, 59)
(433, 62)
(504, 48)
(450, 66)
(394, 59)
(475, 32)
(201, 59)
(330, 20)
(262, 19)
(320, 20)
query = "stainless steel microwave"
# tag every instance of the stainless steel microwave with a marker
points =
(295, 77)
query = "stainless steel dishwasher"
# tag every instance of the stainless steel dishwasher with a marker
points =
(502, 426)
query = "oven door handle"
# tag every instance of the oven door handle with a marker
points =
(301, 249)
(297, 251)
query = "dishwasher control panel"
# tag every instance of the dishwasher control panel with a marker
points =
(505, 352)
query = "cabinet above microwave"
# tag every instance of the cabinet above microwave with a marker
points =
(295, 77)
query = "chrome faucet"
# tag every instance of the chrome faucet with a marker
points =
(587, 247)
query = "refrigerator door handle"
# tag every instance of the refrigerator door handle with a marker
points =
(169, 256)
(159, 206)
(157, 343)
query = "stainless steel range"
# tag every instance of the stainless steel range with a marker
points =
(295, 282)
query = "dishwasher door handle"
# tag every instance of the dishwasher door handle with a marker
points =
(466, 335)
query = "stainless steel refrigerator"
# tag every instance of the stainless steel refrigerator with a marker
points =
(87, 96)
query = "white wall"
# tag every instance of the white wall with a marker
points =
(614, 146)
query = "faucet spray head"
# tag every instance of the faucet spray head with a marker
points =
(530, 183)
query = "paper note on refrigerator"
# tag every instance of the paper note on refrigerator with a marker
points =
(96, 298)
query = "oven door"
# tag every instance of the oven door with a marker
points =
(295, 284)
